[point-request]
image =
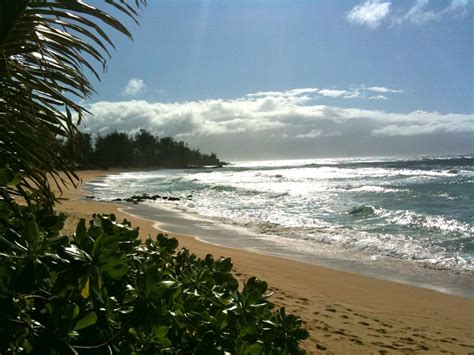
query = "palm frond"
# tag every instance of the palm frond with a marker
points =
(45, 47)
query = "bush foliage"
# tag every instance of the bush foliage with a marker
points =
(104, 291)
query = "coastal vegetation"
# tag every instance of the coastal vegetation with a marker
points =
(100, 290)
(142, 150)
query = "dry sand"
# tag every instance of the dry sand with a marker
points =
(344, 312)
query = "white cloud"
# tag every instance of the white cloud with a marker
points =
(312, 134)
(384, 90)
(378, 97)
(353, 94)
(461, 126)
(343, 94)
(370, 13)
(287, 93)
(307, 94)
(420, 13)
(332, 93)
(456, 8)
(458, 4)
(134, 87)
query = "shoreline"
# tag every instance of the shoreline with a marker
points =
(344, 312)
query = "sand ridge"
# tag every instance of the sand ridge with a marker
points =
(344, 312)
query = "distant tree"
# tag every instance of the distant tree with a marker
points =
(166, 152)
(212, 160)
(145, 149)
(79, 149)
(113, 150)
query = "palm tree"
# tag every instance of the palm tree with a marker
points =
(45, 45)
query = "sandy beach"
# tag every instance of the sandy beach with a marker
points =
(344, 312)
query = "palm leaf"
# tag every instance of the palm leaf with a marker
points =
(45, 45)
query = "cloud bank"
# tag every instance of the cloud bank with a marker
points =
(278, 122)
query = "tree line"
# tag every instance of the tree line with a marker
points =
(142, 150)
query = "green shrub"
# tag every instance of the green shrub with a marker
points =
(103, 291)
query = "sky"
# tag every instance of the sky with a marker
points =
(295, 79)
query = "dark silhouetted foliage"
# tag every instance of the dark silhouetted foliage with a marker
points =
(143, 150)
(46, 47)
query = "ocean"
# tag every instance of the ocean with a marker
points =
(403, 215)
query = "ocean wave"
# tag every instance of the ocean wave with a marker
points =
(435, 254)
(221, 188)
(97, 184)
(430, 166)
(398, 247)
(374, 188)
(430, 223)
(361, 211)
(376, 245)
(446, 196)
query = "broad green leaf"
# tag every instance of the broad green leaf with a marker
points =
(161, 287)
(86, 321)
(81, 230)
(252, 349)
(32, 233)
(27, 346)
(117, 271)
(161, 331)
(8, 177)
(77, 254)
(105, 241)
(224, 264)
(76, 312)
(112, 263)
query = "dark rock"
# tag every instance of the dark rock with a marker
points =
(154, 197)
(173, 199)
(117, 199)
(90, 197)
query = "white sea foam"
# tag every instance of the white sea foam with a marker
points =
(416, 209)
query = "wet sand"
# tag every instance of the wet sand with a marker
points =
(344, 312)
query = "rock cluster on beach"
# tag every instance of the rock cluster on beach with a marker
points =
(135, 199)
